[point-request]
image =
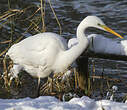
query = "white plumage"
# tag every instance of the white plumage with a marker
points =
(47, 52)
(33, 54)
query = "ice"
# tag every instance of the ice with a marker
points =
(101, 44)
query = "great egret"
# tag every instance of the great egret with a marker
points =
(44, 53)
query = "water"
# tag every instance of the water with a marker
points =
(70, 13)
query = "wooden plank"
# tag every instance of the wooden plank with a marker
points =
(106, 56)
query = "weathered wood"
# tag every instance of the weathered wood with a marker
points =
(107, 56)
(83, 75)
(82, 62)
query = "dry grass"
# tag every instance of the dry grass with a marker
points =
(36, 21)
(60, 84)
(13, 16)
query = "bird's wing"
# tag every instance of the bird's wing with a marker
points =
(29, 51)
(72, 42)
(37, 50)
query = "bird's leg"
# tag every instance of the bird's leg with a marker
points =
(38, 87)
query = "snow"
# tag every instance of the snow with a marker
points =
(101, 44)
(51, 103)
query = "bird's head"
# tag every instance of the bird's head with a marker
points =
(94, 21)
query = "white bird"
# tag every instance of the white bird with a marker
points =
(46, 53)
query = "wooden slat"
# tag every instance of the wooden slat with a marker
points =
(106, 56)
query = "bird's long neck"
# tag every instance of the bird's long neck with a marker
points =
(73, 53)
(81, 37)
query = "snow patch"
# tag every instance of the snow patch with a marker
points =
(51, 103)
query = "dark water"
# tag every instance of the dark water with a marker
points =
(70, 13)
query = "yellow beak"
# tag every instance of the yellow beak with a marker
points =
(111, 31)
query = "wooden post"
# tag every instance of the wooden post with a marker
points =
(83, 75)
